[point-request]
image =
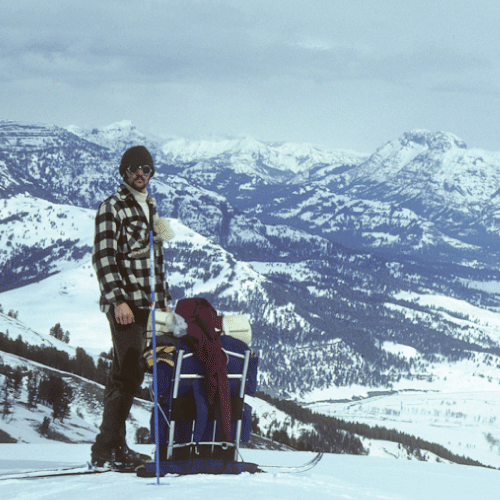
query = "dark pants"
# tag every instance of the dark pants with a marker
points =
(124, 380)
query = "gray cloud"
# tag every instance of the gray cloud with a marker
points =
(334, 72)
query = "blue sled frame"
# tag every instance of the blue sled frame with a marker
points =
(189, 431)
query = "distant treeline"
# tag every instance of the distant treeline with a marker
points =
(81, 364)
(327, 426)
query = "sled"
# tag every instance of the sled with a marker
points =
(196, 436)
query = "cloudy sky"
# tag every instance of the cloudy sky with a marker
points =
(350, 74)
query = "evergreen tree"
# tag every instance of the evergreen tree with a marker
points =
(54, 392)
(85, 365)
(7, 390)
(44, 426)
(61, 406)
(17, 377)
(57, 332)
(32, 387)
(11, 387)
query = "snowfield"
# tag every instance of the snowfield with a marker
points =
(453, 403)
(466, 423)
(335, 477)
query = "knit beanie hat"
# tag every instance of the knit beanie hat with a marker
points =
(138, 156)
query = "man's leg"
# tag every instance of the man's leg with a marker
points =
(124, 382)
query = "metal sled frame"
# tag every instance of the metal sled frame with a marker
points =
(179, 376)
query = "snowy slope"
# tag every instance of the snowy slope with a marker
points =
(40, 238)
(275, 294)
(455, 406)
(466, 423)
(71, 297)
(336, 477)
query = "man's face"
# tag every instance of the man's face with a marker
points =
(139, 180)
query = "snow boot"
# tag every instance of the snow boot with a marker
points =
(120, 459)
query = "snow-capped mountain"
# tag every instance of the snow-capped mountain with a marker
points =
(342, 261)
(424, 194)
(53, 164)
(243, 155)
(437, 177)
(116, 137)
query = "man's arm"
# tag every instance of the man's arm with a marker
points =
(104, 255)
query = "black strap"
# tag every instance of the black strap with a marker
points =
(150, 222)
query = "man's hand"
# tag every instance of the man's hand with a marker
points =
(123, 314)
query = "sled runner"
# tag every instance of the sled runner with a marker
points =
(202, 383)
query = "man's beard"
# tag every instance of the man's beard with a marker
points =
(132, 183)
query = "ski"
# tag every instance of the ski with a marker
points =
(292, 468)
(81, 470)
(78, 470)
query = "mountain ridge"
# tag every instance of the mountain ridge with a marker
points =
(302, 253)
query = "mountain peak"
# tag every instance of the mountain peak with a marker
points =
(432, 140)
(409, 152)
(121, 126)
(117, 136)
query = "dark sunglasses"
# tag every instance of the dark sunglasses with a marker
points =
(146, 169)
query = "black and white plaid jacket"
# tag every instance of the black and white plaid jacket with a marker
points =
(121, 228)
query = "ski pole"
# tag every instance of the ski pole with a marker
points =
(153, 317)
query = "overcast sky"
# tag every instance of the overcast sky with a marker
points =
(349, 74)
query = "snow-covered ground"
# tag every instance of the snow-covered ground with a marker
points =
(457, 409)
(335, 477)
(466, 423)
(71, 297)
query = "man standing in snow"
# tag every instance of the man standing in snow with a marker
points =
(121, 261)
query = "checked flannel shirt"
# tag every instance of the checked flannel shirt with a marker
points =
(121, 228)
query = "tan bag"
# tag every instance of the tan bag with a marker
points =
(237, 326)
